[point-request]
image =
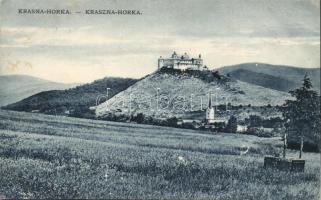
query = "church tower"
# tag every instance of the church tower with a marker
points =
(210, 112)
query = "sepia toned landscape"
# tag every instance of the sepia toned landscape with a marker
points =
(162, 99)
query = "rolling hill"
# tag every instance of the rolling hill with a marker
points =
(14, 88)
(278, 77)
(75, 101)
(164, 95)
(251, 83)
(264, 80)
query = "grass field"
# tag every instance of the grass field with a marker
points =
(45, 156)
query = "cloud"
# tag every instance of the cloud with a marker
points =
(122, 55)
(315, 3)
(201, 18)
(224, 32)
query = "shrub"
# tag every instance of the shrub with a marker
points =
(258, 131)
(231, 126)
(139, 118)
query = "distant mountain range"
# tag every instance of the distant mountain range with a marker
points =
(77, 99)
(278, 77)
(14, 88)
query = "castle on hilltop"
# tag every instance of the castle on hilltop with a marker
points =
(181, 62)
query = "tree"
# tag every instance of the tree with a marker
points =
(302, 115)
(231, 126)
(139, 118)
(255, 121)
(172, 121)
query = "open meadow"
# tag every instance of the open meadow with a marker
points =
(44, 156)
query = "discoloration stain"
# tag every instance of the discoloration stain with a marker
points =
(18, 65)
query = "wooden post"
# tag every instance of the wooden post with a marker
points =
(301, 147)
(284, 145)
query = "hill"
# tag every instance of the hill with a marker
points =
(164, 95)
(264, 80)
(14, 88)
(278, 77)
(75, 101)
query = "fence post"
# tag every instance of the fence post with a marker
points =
(301, 147)
(284, 145)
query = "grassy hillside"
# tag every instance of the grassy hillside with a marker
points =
(286, 77)
(14, 88)
(164, 95)
(44, 156)
(75, 101)
(264, 80)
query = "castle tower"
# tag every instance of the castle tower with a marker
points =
(210, 112)
(160, 62)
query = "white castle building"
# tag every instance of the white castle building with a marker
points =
(181, 62)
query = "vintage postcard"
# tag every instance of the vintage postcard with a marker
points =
(160, 99)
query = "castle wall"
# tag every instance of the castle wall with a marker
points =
(179, 63)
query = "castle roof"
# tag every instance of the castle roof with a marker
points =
(184, 56)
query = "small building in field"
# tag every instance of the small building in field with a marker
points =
(241, 128)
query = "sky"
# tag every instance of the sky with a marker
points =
(79, 48)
